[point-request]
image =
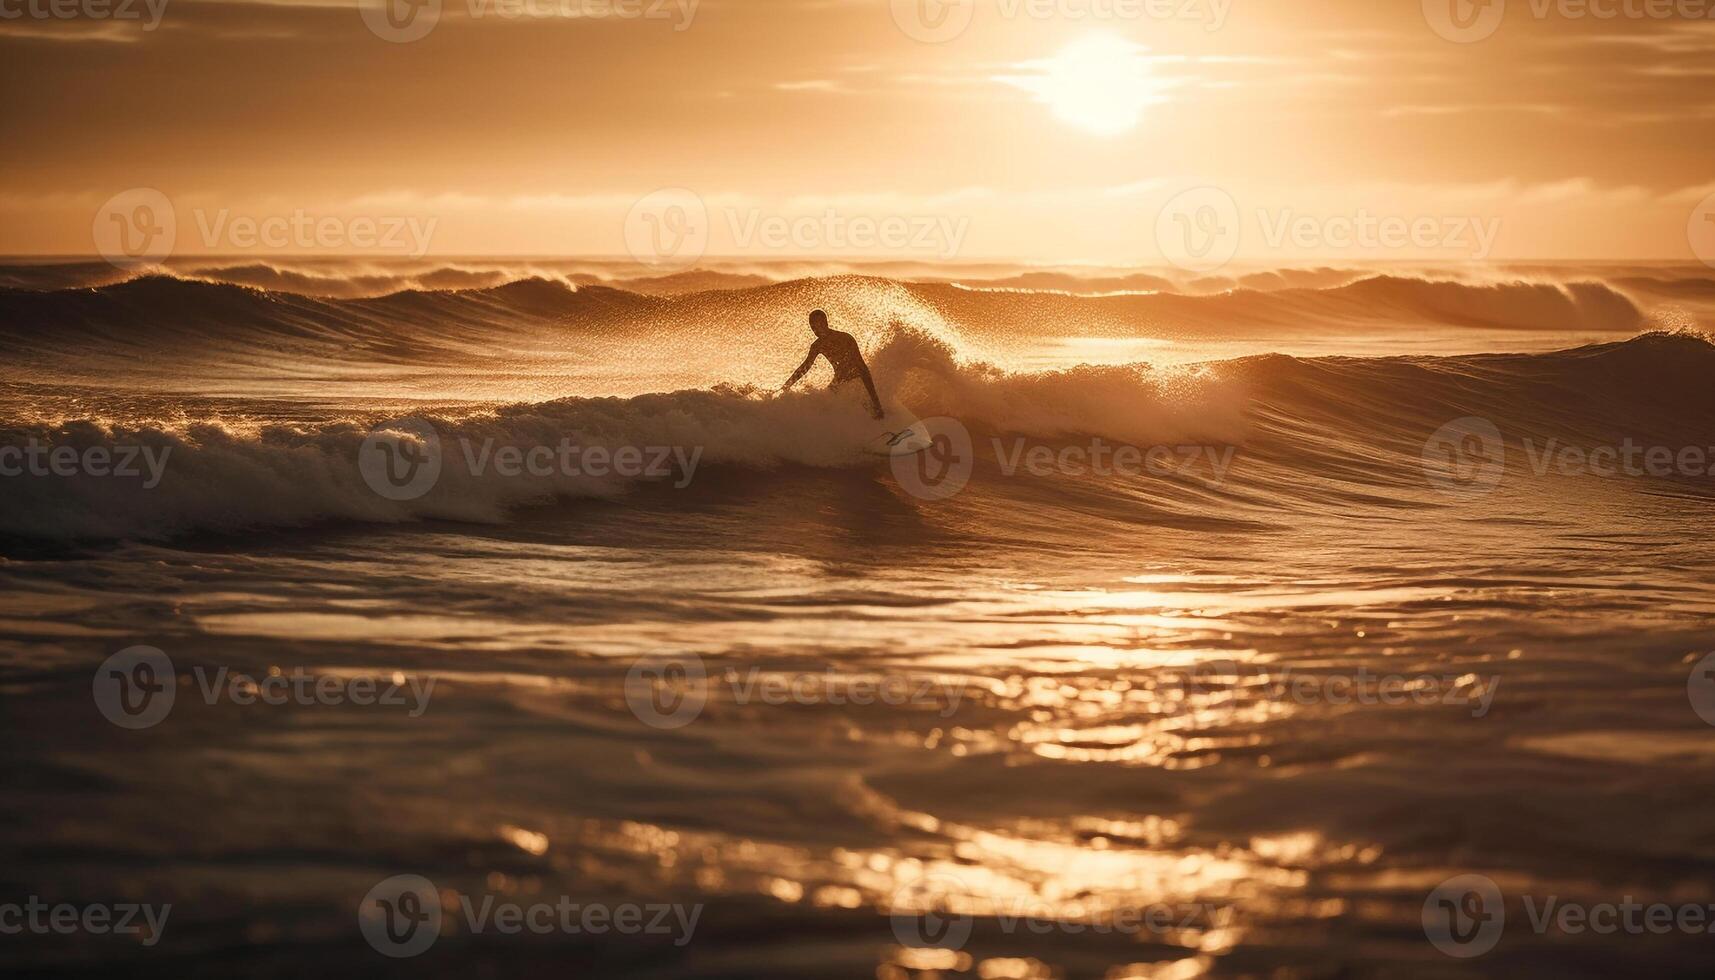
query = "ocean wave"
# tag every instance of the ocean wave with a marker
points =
(1312, 420)
(275, 303)
(221, 477)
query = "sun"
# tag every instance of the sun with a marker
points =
(1099, 84)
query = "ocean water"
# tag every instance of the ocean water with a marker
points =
(1228, 629)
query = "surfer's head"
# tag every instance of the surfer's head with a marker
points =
(818, 322)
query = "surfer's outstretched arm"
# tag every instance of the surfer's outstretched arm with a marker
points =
(809, 359)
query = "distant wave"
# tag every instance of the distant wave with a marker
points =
(194, 318)
(1541, 306)
(150, 310)
(1087, 284)
(1388, 302)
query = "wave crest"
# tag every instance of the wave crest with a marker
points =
(224, 478)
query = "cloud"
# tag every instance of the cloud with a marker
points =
(1690, 39)
(73, 31)
(811, 85)
(1475, 107)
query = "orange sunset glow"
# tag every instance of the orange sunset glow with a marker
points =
(531, 128)
(883, 489)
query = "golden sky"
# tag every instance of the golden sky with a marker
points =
(1054, 130)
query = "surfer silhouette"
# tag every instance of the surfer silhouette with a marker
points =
(841, 350)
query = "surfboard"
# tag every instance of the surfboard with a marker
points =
(901, 435)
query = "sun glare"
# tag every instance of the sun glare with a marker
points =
(1099, 84)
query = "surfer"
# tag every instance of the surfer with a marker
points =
(841, 350)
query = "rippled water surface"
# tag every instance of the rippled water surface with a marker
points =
(1239, 717)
